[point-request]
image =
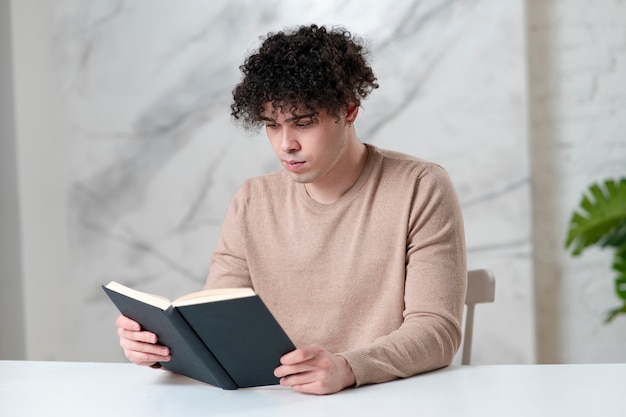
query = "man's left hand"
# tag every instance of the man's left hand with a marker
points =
(314, 370)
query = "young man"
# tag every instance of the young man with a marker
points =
(358, 251)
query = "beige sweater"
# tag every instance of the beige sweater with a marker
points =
(378, 276)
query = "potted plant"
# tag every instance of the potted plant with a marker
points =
(600, 220)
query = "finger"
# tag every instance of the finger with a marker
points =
(300, 355)
(299, 378)
(146, 337)
(143, 353)
(310, 385)
(124, 322)
(286, 370)
(314, 388)
(144, 359)
(313, 383)
(147, 348)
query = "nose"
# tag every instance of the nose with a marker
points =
(288, 141)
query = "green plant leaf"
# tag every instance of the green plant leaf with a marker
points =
(619, 266)
(610, 316)
(619, 261)
(620, 288)
(616, 236)
(600, 219)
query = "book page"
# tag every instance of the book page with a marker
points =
(208, 296)
(151, 299)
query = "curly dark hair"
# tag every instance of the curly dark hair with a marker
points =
(308, 67)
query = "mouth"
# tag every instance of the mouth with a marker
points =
(293, 165)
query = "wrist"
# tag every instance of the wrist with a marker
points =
(349, 379)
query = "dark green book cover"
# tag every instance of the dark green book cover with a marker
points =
(232, 343)
(243, 336)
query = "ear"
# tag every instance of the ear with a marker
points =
(353, 112)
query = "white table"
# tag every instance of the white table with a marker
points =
(114, 389)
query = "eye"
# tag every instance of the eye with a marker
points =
(302, 123)
(269, 125)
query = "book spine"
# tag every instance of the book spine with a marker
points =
(243, 336)
(209, 363)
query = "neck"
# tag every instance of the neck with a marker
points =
(343, 176)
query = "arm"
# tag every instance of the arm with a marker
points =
(434, 276)
(434, 294)
(229, 267)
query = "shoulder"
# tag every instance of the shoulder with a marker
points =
(398, 166)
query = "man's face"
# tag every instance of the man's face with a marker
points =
(309, 145)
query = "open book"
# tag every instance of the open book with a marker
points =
(224, 337)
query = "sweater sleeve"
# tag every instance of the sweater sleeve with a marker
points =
(229, 265)
(435, 286)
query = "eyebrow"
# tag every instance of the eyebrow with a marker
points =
(291, 119)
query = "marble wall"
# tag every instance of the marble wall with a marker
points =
(154, 158)
(125, 157)
(123, 142)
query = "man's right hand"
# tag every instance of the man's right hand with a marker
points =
(140, 347)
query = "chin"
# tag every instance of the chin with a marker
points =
(302, 179)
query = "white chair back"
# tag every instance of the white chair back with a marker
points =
(481, 288)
